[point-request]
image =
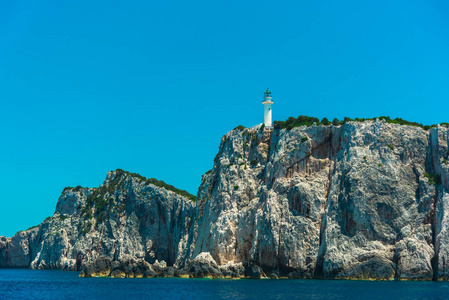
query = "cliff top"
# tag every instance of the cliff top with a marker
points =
(159, 183)
(302, 120)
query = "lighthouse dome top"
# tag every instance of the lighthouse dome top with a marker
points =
(267, 97)
(267, 94)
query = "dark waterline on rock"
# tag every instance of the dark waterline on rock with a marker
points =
(46, 284)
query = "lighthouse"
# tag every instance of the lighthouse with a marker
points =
(267, 108)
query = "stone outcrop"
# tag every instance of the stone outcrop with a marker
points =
(125, 217)
(364, 200)
(17, 251)
(253, 271)
(202, 266)
(127, 267)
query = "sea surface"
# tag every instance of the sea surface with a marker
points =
(39, 284)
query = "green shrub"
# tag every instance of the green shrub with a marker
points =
(253, 162)
(32, 227)
(346, 119)
(433, 178)
(262, 127)
(78, 188)
(134, 175)
(169, 187)
(325, 121)
(380, 165)
(300, 121)
(73, 189)
(391, 147)
(405, 122)
(236, 187)
(113, 187)
(304, 139)
(278, 124)
(240, 127)
(292, 122)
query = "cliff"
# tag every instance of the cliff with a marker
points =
(124, 217)
(364, 200)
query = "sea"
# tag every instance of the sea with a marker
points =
(46, 284)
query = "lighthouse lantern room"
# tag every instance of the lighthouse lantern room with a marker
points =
(267, 108)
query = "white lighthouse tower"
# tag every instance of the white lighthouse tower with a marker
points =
(267, 108)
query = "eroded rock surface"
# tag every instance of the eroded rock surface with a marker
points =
(362, 200)
(125, 217)
(202, 266)
(128, 267)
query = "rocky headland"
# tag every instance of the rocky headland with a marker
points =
(362, 200)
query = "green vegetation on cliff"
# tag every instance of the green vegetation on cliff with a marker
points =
(73, 189)
(158, 183)
(433, 178)
(301, 120)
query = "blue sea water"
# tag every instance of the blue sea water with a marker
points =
(39, 284)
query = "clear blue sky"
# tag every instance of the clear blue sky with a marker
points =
(151, 86)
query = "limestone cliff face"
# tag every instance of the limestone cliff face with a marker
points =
(362, 200)
(17, 251)
(351, 201)
(125, 217)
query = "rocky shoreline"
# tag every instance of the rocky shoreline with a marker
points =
(203, 266)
